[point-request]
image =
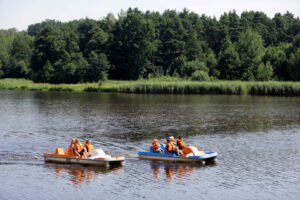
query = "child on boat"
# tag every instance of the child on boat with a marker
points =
(71, 148)
(156, 146)
(180, 143)
(79, 150)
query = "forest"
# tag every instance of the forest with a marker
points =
(144, 45)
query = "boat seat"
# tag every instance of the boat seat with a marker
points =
(60, 151)
(192, 151)
(151, 149)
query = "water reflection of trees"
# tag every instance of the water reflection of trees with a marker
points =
(81, 175)
(130, 117)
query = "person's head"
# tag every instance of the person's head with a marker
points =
(77, 141)
(72, 141)
(171, 138)
(88, 141)
(180, 137)
(155, 140)
(168, 140)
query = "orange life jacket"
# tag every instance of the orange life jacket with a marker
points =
(180, 143)
(79, 147)
(170, 146)
(89, 147)
(71, 152)
(155, 145)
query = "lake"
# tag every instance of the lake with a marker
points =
(257, 139)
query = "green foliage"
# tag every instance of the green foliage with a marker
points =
(218, 87)
(150, 44)
(48, 73)
(134, 44)
(98, 67)
(278, 59)
(4, 62)
(164, 85)
(294, 66)
(229, 61)
(265, 72)
(190, 67)
(200, 75)
(46, 49)
(251, 50)
(34, 29)
(20, 55)
(248, 75)
(211, 63)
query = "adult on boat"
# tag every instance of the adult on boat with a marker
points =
(170, 148)
(180, 143)
(88, 145)
(172, 139)
(79, 150)
(156, 146)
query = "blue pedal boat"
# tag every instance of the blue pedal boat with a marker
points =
(191, 155)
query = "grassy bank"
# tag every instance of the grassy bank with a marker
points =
(163, 87)
(22, 84)
(216, 87)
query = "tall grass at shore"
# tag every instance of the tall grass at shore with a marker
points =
(163, 86)
(274, 88)
(185, 87)
(22, 84)
(216, 87)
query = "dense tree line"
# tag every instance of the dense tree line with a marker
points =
(135, 45)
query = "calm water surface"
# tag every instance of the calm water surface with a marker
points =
(257, 139)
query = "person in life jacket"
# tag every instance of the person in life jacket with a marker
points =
(180, 143)
(88, 145)
(79, 150)
(156, 146)
(171, 147)
(172, 139)
(71, 148)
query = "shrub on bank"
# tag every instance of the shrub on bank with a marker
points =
(200, 75)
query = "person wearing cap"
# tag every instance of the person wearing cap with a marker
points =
(170, 148)
(172, 139)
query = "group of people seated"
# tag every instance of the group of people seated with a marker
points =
(78, 149)
(171, 146)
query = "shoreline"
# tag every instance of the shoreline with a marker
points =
(269, 88)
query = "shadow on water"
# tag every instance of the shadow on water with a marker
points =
(80, 175)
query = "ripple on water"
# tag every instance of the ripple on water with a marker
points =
(256, 138)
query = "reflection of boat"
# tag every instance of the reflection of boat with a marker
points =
(80, 175)
(181, 171)
(191, 154)
(62, 157)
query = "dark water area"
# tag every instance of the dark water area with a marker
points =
(257, 139)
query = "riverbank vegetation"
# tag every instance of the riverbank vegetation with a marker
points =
(163, 86)
(135, 45)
